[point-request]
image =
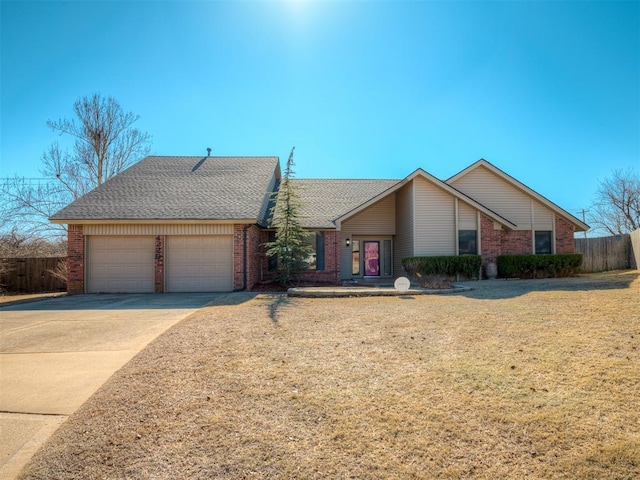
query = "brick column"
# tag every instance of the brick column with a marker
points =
(332, 254)
(159, 265)
(238, 257)
(490, 241)
(75, 259)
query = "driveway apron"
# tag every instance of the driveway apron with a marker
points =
(55, 353)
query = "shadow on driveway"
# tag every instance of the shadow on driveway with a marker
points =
(131, 301)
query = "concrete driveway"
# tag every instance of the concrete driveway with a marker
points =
(55, 353)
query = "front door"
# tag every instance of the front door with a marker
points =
(371, 258)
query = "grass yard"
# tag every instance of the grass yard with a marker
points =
(516, 379)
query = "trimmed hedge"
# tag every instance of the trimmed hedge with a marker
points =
(539, 266)
(468, 265)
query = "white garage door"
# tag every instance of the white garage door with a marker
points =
(120, 264)
(199, 263)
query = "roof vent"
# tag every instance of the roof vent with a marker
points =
(208, 152)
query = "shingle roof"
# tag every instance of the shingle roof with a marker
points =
(324, 200)
(181, 188)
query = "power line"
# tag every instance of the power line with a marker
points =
(26, 179)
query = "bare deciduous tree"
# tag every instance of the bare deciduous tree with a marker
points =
(15, 244)
(616, 208)
(60, 272)
(104, 143)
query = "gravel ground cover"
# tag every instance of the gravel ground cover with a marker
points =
(515, 379)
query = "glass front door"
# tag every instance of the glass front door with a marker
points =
(371, 258)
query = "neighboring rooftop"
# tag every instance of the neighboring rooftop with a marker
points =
(181, 188)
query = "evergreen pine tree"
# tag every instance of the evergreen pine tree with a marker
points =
(289, 246)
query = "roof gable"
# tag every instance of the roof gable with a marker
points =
(324, 200)
(439, 184)
(482, 163)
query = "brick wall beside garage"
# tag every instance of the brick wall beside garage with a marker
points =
(159, 264)
(252, 260)
(75, 259)
(254, 255)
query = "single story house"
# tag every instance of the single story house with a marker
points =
(188, 224)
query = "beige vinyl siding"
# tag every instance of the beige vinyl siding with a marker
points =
(467, 217)
(377, 220)
(543, 217)
(498, 195)
(403, 244)
(158, 229)
(434, 220)
(345, 257)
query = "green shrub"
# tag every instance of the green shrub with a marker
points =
(539, 266)
(468, 265)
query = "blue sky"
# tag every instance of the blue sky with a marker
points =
(547, 91)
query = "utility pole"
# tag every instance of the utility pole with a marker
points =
(584, 221)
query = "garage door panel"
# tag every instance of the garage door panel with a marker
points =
(199, 263)
(120, 264)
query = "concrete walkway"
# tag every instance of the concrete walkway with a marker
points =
(55, 353)
(369, 291)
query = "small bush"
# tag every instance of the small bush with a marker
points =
(539, 266)
(467, 265)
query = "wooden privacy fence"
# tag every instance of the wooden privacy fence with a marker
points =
(30, 275)
(635, 249)
(617, 252)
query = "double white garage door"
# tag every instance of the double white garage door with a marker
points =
(191, 264)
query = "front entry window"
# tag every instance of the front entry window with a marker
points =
(371, 258)
(355, 257)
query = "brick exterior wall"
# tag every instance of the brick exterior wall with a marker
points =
(159, 264)
(75, 259)
(331, 272)
(238, 257)
(490, 241)
(493, 243)
(517, 242)
(565, 242)
(503, 242)
(254, 254)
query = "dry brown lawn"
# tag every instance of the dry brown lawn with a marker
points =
(516, 379)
